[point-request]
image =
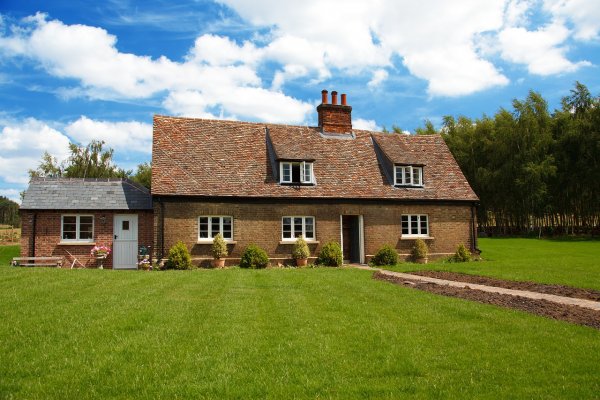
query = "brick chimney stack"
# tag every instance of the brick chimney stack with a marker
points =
(334, 117)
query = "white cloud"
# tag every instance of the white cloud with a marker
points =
(121, 136)
(22, 144)
(216, 67)
(583, 14)
(540, 50)
(451, 46)
(366, 124)
(221, 51)
(240, 103)
(379, 75)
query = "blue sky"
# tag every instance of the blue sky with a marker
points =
(83, 70)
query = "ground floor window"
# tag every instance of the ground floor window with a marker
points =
(209, 227)
(77, 228)
(415, 225)
(293, 227)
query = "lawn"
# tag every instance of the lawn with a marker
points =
(7, 253)
(310, 333)
(559, 261)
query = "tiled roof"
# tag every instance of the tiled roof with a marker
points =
(85, 194)
(197, 157)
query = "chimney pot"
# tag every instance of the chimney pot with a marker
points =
(324, 96)
(334, 97)
(344, 99)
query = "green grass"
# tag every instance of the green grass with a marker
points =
(312, 333)
(7, 253)
(566, 262)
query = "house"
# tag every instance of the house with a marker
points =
(67, 217)
(267, 184)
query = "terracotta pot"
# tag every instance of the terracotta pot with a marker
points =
(421, 260)
(218, 263)
(301, 262)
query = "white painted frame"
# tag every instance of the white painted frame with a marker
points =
(77, 228)
(210, 236)
(293, 238)
(302, 166)
(419, 234)
(411, 170)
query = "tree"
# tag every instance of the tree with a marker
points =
(143, 175)
(9, 212)
(91, 161)
(428, 130)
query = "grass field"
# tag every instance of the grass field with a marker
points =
(312, 333)
(7, 253)
(567, 261)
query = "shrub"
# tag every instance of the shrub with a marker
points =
(179, 257)
(254, 257)
(331, 255)
(461, 255)
(219, 247)
(419, 249)
(300, 250)
(386, 255)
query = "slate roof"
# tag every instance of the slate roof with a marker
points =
(199, 157)
(85, 194)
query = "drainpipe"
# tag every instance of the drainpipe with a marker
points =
(474, 248)
(33, 233)
(162, 228)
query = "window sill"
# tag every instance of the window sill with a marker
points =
(410, 186)
(297, 183)
(416, 237)
(210, 241)
(76, 243)
(294, 241)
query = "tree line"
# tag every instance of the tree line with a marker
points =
(534, 171)
(9, 212)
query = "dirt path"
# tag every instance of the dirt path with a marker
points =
(564, 312)
(558, 290)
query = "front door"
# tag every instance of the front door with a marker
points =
(125, 243)
(351, 238)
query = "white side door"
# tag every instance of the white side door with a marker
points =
(125, 242)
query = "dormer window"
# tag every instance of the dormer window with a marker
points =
(408, 175)
(296, 172)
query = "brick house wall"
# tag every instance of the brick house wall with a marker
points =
(259, 222)
(48, 231)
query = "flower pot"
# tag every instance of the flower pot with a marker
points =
(218, 263)
(301, 262)
(421, 260)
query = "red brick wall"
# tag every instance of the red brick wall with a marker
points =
(335, 118)
(48, 226)
(260, 223)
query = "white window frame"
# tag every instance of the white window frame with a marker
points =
(411, 169)
(210, 232)
(293, 232)
(419, 233)
(77, 228)
(303, 165)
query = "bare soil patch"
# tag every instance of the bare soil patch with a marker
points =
(558, 290)
(563, 312)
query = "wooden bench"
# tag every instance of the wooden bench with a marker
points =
(37, 262)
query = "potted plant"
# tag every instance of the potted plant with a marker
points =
(145, 263)
(420, 251)
(300, 252)
(100, 253)
(219, 251)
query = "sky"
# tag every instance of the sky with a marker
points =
(73, 71)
